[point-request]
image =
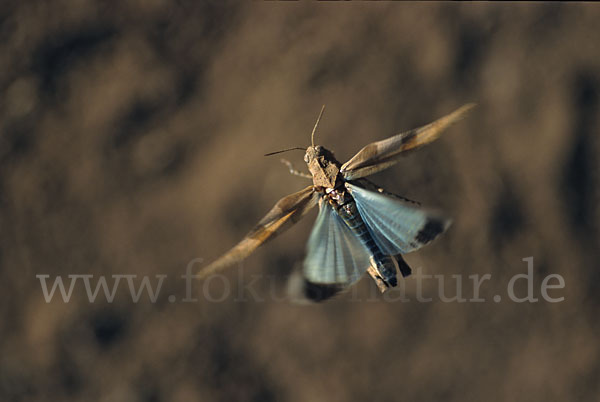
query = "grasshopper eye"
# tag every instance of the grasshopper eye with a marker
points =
(319, 150)
(306, 158)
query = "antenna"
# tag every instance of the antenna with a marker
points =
(284, 150)
(312, 136)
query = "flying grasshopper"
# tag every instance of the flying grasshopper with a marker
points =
(360, 226)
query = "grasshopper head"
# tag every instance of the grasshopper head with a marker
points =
(323, 166)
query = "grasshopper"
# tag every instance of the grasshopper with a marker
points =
(360, 226)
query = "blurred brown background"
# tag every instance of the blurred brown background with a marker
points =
(132, 141)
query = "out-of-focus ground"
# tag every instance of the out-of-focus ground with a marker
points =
(132, 141)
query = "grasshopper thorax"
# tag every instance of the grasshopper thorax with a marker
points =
(323, 166)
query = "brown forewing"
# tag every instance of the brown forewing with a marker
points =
(382, 154)
(281, 217)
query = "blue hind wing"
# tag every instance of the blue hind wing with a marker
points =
(334, 254)
(397, 226)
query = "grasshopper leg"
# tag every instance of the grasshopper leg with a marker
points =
(294, 171)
